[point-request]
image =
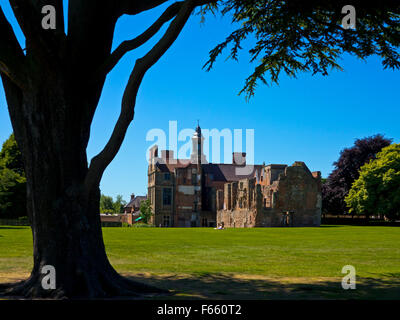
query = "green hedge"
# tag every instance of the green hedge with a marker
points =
(111, 224)
(15, 222)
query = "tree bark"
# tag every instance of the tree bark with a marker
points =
(64, 214)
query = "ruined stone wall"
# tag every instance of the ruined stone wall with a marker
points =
(294, 199)
(299, 192)
(237, 218)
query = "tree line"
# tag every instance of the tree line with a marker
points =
(365, 180)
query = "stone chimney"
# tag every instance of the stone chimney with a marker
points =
(132, 196)
(316, 174)
(167, 155)
(239, 158)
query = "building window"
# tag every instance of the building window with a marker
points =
(195, 206)
(262, 178)
(204, 222)
(166, 221)
(167, 176)
(167, 196)
(194, 178)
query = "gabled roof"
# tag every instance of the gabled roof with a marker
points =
(136, 202)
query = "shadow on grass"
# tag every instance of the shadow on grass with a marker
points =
(218, 286)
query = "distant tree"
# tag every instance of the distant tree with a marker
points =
(119, 204)
(106, 204)
(12, 194)
(12, 181)
(377, 190)
(10, 156)
(145, 210)
(346, 171)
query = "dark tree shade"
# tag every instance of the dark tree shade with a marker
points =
(347, 169)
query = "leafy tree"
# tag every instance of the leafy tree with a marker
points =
(12, 181)
(54, 82)
(346, 171)
(10, 156)
(119, 204)
(145, 211)
(307, 36)
(377, 190)
(12, 194)
(106, 204)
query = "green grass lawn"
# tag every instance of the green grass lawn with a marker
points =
(241, 263)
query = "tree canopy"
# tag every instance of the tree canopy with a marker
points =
(108, 205)
(297, 36)
(10, 156)
(346, 171)
(377, 190)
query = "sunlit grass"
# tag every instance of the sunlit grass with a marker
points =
(275, 253)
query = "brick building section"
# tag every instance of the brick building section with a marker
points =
(195, 193)
(133, 205)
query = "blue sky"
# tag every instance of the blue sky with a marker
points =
(308, 119)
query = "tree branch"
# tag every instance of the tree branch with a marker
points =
(135, 7)
(12, 58)
(100, 162)
(130, 45)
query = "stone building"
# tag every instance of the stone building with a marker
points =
(283, 196)
(195, 193)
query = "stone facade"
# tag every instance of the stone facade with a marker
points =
(194, 193)
(286, 196)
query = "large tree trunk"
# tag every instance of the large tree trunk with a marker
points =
(53, 133)
(52, 92)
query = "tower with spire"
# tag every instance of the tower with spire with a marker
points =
(197, 156)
